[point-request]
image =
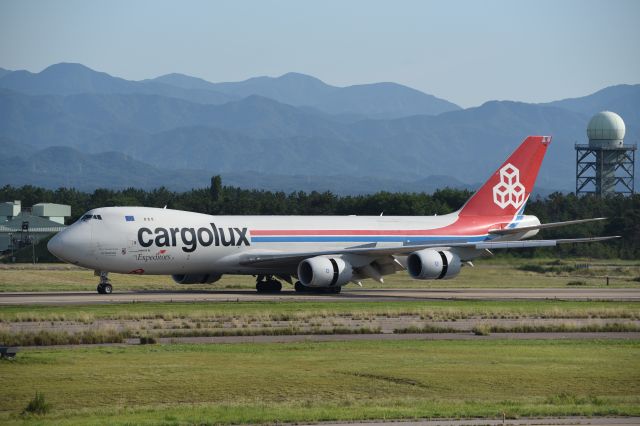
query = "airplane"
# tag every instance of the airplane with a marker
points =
(322, 253)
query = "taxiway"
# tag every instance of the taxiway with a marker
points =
(351, 294)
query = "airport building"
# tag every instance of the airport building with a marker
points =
(20, 227)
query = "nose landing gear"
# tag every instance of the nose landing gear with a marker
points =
(104, 287)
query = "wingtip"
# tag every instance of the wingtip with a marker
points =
(608, 237)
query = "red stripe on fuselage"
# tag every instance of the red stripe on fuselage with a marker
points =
(468, 225)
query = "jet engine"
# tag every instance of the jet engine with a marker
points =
(431, 264)
(196, 278)
(324, 272)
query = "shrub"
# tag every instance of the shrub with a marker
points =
(481, 330)
(38, 405)
(147, 340)
(532, 268)
(553, 267)
(57, 337)
(428, 328)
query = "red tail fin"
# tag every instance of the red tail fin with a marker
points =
(509, 187)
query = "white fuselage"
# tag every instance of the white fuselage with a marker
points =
(144, 240)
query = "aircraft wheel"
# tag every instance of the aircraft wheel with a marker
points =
(275, 286)
(268, 286)
(103, 286)
(300, 288)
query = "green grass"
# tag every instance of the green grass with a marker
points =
(488, 273)
(276, 413)
(39, 278)
(257, 383)
(505, 259)
(283, 311)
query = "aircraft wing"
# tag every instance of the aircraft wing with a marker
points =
(371, 250)
(508, 231)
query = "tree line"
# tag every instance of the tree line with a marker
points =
(623, 211)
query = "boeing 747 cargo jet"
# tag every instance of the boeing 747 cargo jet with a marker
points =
(321, 253)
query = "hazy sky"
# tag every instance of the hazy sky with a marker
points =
(467, 52)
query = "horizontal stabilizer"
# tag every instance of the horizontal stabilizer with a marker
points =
(539, 243)
(508, 231)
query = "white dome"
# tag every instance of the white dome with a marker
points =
(606, 126)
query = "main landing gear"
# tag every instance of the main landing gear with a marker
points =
(268, 284)
(301, 288)
(104, 287)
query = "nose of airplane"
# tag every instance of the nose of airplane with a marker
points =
(55, 245)
(69, 245)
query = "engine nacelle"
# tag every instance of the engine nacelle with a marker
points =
(324, 272)
(196, 278)
(431, 264)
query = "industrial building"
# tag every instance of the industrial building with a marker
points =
(20, 227)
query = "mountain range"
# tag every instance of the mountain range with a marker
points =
(72, 126)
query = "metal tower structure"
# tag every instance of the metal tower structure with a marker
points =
(605, 165)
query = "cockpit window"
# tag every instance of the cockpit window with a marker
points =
(90, 216)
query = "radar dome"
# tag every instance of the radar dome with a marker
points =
(606, 128)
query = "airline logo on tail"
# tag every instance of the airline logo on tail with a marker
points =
(509, 191)
(506, 191)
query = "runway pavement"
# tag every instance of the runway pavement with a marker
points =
(367, 295)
